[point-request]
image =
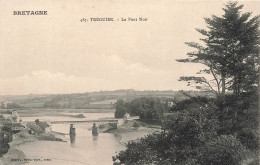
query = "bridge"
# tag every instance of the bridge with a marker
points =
(83, 121)
(112, 123)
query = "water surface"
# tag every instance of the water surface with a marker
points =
(83, 148)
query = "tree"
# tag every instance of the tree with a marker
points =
(230, 51)
(12, 106)
(185, 132)
(148, 109)
(37, 121)
(120, 109)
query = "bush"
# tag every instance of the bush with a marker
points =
(255, 161)
(201, 132)
(136, 124)
(184, 133)
(43, 125)
(37, 129)
(225, 150)
(249, 138)
(141, 152)
(4, 148)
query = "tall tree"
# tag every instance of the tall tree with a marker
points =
(120, 109)
(230, 50)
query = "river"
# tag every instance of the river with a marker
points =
(84, 148)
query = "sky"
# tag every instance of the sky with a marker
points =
(57, 53)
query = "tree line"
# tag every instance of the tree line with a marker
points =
(148, 109)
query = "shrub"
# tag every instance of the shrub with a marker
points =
(4, 148)
(225, 150)
(37, 129)
(143, 151)
(201, 132)
(136, 124)
(255, 161)
(43, 125)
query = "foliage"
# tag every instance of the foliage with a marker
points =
(37, 129)
(224, 150)
(142, 152)
(239, 115)
(37, 121)
(7, 137)
(200, 131)
(136, 124)
(148, 109)
(120, 109)
(219, 131)
(186, 103)
(230, 51)
(51, 104)
(13, 106)
(8, 112)
(7, 127)
(4, 147)
(184, 132)
(43, 125)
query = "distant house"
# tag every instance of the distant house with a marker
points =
(15, 116)
(126, 117)
(171, 103)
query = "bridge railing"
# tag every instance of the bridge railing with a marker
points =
(83, 121)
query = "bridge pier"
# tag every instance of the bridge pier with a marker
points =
(94, 130)
(72, 130)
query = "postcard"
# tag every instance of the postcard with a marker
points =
(110, 82)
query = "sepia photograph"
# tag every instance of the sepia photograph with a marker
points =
(113, 82)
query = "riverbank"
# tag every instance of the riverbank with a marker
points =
(26, 146)
(14, 156)
(130, 131)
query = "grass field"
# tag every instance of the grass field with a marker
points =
(57, 112)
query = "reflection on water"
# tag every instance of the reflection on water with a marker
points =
(72, 140)
(80, 148)
(95, 138)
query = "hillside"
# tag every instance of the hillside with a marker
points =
(92, 100)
